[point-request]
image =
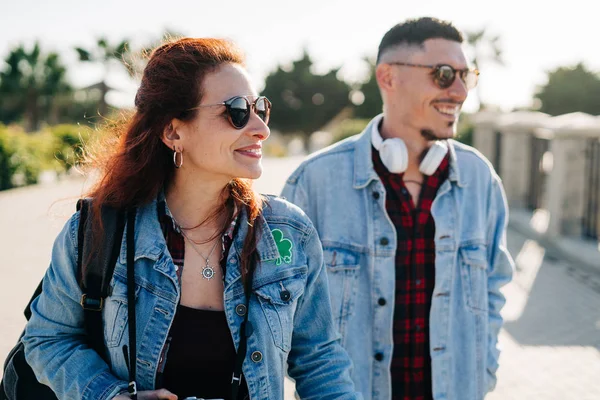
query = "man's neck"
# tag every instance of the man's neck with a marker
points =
(415, 143)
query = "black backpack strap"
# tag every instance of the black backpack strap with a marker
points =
(96, 261)
(37, 292)
(131, 302)
(94, 279)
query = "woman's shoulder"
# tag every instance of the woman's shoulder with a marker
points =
(278, 209)
(71, 229)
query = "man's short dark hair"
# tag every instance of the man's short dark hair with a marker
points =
(416, 31)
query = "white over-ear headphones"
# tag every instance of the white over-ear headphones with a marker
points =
(394, 154)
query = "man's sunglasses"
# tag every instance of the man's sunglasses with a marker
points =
(444, 75)
(239, 107)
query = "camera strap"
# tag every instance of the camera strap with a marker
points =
(236, 379)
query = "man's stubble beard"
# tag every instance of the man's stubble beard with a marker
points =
(431, 136)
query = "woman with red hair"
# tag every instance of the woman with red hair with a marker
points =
(222, 274)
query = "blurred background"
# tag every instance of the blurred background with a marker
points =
(66, 66)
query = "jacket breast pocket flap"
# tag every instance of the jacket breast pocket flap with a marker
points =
(279, 300)
(115, 312)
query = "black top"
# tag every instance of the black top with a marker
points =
(201, 355)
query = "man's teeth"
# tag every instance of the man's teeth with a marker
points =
(447, 110)
(255, 151)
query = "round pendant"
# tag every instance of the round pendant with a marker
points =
(208, 273)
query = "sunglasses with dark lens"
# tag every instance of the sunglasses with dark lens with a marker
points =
(239, 107)
(443, 75)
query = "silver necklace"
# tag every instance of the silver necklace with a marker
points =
(207, 271)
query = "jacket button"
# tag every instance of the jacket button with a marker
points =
(404, 191)
(240, 310)
(384, 241)
(285, 295)
(375, 195)
(256, 356)
(379, 356)
(381, 301)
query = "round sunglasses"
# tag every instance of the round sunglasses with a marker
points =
(238, 109)
(443, 75)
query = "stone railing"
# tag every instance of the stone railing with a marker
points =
(547, 163)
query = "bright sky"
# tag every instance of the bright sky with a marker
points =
(537, 36)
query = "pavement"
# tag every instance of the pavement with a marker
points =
(551, 336)
(550, 341)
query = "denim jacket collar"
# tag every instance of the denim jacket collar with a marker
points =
(152, 246)
(364, 172)
(266, 246)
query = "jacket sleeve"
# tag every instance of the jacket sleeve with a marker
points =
(55, 337)
(317, 361)
(500, 272)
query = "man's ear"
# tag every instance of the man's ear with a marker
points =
(170, 137)
(384, 76)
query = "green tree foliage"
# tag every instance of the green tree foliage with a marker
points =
(23, 156)
(465, 129)
(485, 48)
(302, 101)
(372, 104)
(68, 144)
(107, 55)
(570, 89)
(29, 83)
(349, 127)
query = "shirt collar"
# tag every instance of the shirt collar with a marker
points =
(364, 171)
(165, 215)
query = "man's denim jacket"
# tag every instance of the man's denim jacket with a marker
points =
(343, 195)
(289, 313)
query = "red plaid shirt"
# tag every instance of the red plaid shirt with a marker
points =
(415, 279)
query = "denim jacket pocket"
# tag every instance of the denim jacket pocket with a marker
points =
(279, 301)
(342, 270)
(115, 312)
(473, 273)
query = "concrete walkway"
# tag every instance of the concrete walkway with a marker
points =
(551, 338)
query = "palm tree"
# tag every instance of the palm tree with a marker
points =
(29, 84)
(107, 55)
(486, 48)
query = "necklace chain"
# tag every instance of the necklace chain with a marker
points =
(207, 271)
(198, 250)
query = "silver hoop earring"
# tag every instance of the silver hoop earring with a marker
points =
(177, 165)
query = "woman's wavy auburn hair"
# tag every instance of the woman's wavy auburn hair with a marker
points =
(133, 161)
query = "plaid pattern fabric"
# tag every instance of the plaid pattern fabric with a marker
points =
(415, 279)
(176, 243)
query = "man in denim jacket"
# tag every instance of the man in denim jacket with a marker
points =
(413, 229)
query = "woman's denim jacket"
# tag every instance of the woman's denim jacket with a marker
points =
(343, 195)
(289, 313)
